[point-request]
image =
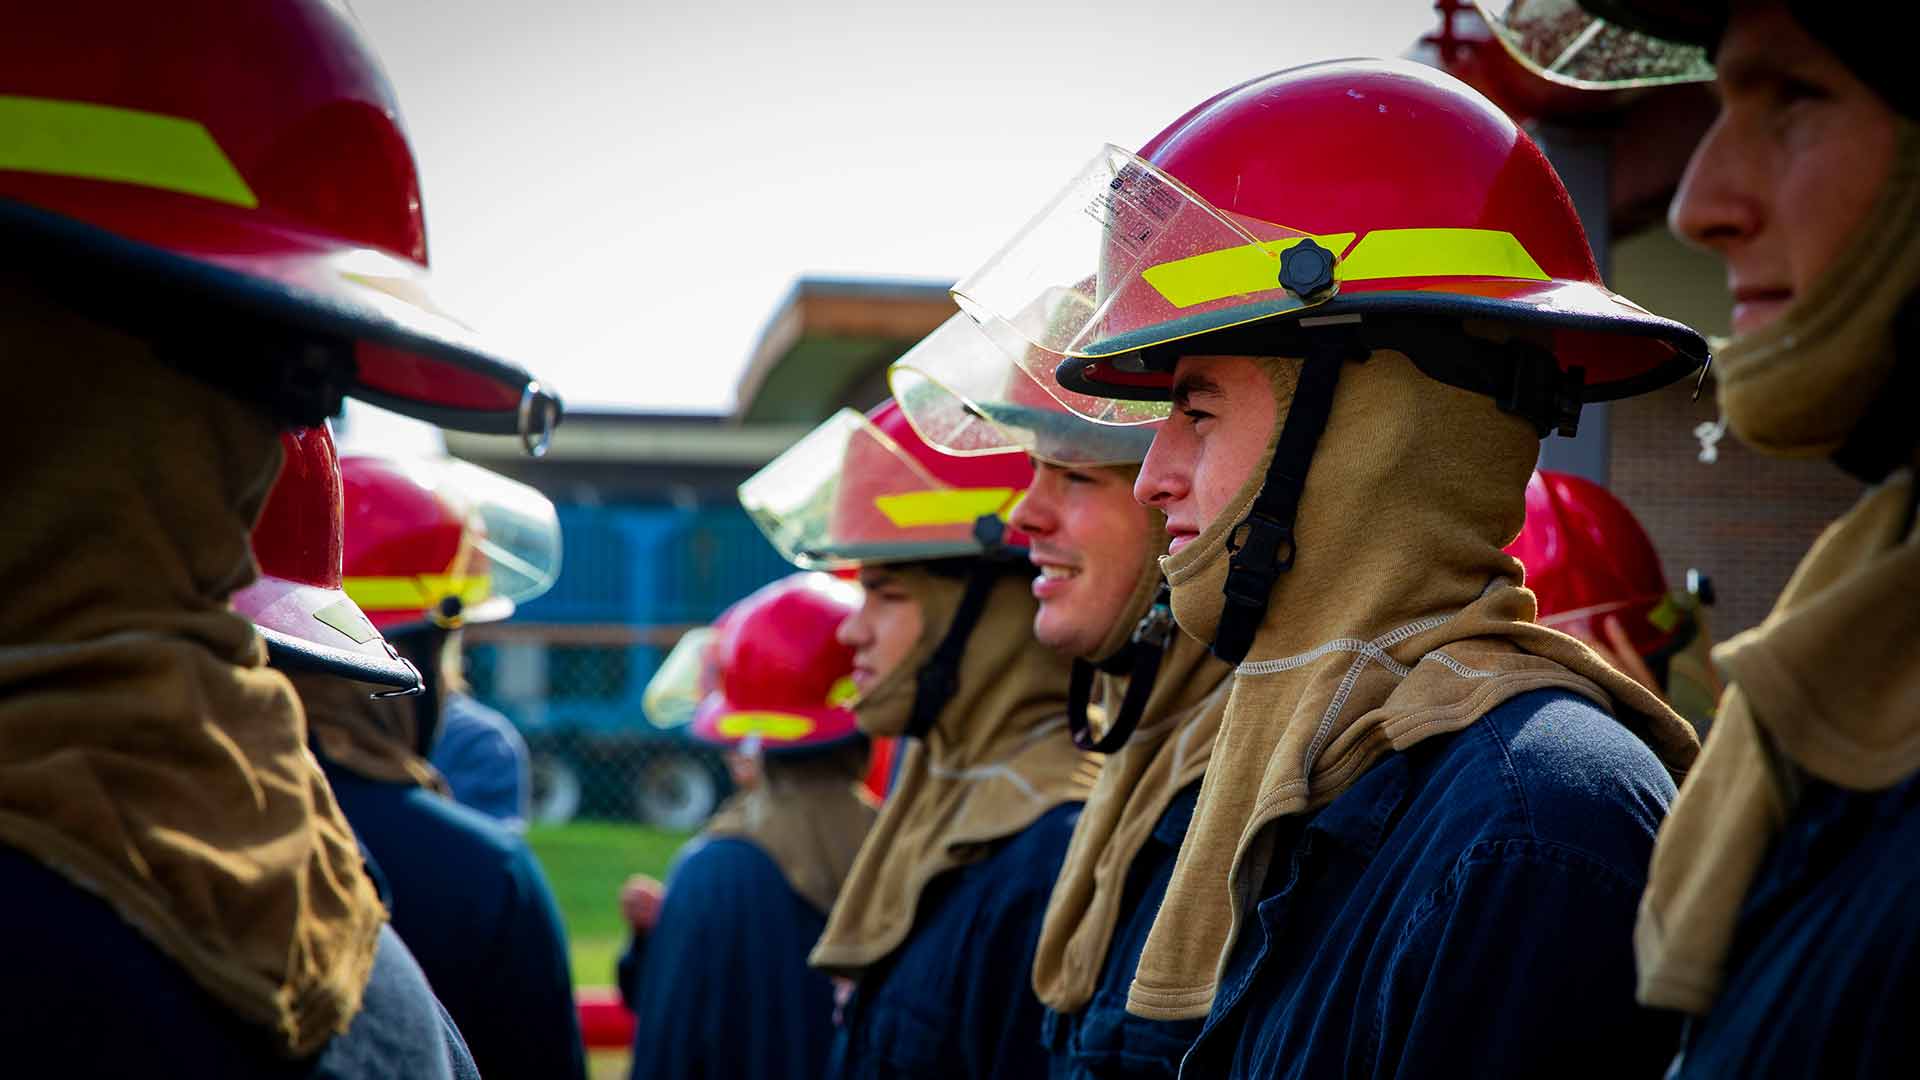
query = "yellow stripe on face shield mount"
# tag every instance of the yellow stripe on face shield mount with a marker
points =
(946, 506)
(1382, 253)
(101, 142)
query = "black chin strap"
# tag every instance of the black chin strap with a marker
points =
(939, 678)
(1261, 545)
(1140, 662)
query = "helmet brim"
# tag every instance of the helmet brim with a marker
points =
(1607, 337)
(312, 629)
(406, 354)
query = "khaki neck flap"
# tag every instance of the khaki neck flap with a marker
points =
(1168, 752)
(146, 754)
(1799, 386)
(1829, 686)
(809, 816)
(1397, 623)
(368, 736)
(998, 758)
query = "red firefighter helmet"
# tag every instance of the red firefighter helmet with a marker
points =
(785, 680)
(1379, 200)
(230, 180)
(867, 489)
(1587, 558)
(443, 542)
(298, 602)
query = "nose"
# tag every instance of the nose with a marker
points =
(852, 631)
(1166, 474)
(1716, 208)
(1036, 515)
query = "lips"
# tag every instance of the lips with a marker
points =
(1055, 578)
(1756, 305)
(1179, 537)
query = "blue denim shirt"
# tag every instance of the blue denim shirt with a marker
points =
(956, 998)
(1825, 964)
(1465, 909)
(1103, 1039)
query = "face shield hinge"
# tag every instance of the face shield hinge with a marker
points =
(1306, 270)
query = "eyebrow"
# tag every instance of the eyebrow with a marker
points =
(878, 580)
(1189, 385)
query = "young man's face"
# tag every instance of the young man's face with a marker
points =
(1223, 414)
(883, 630)
(1789, 169)
(1090, 541)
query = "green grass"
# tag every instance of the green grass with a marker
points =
(586, 862)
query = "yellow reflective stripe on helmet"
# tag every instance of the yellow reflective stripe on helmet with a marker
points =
(101, 142)
(945, 506)
(1382, 253)
(417, 593)
(1249, 268)
(771, 725)
(1397, 253)
(842, 692)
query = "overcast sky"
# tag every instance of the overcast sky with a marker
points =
(619, 193)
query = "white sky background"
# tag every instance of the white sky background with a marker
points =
(618, 194)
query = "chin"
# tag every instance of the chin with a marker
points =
(1058, 634)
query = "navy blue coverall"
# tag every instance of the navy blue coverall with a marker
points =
(956, 998)
(721, 988)
(470, 901)
(1103, 1039)
(84, 994)
(1465, 909)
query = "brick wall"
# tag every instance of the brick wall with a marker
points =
(1745, 520)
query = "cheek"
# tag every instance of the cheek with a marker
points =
(1827, 190)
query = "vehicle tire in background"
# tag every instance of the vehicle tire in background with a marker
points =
(557, 787)
(677, 789)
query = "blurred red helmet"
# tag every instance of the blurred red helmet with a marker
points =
(1587, 558)
(867, 489)
(298, 602)
(443, 542)
(785, 680)
(230, 179)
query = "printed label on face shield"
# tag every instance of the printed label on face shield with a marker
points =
(1133, 208)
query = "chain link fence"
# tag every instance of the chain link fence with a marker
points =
(574, 691)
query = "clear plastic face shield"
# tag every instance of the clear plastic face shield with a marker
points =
(519, 533)
(684, 678)
(849, 493)
(967, 393)
(1125, 257)
(1558, 41)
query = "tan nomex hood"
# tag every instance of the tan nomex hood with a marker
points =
(997, 758)
(146, 752)
(810, 817)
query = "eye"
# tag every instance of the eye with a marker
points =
(1073, 476)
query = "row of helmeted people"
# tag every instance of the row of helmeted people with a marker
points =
(1422, 842)
(1234, 742)
(213, 867)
